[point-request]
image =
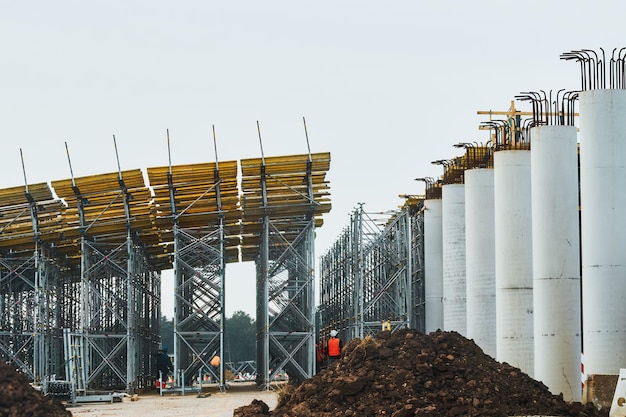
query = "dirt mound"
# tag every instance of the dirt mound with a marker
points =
(20, 399)
(411, 374)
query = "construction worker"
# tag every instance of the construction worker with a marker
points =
(163, 364)
(334, 348)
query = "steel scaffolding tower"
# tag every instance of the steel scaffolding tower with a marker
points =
(30, 288)
(108, 228)
(283, 200)
(378, 269)
(414, 208)
(80, 272)
(198, 206)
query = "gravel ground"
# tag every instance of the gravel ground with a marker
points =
(217, 404)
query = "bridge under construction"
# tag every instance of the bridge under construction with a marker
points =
(81, 262)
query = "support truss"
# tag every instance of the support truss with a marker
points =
(119, 287)
(283, 198)
(199, 304)
(30, 338)
(376, 264)
(287, 305)
(120, 299)
(80, 272)
(200, 205)
(31, 291)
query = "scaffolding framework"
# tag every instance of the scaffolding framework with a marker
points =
(108, 228)
(199, 204)
(378, 266)
(80, 271)
(283, 201)
(31, 290)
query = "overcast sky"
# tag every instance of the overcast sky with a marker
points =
(385, 86)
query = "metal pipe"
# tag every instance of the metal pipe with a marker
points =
(258, 128)
(306, 134)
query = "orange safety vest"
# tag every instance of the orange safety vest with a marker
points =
(333, 347)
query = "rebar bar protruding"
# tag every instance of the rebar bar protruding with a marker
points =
(568, 104)
(537, 103)
(548, 110)
(593, 68)
(477, 155)
(523, 135)
(429, 183)
(428, 180)
(620, 68)
(501, 129)
(616, 69)
(528, 124)
(453, 169)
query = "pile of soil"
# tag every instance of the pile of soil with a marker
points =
(406, 373)
(19, 398)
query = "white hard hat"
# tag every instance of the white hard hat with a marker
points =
(333, 333)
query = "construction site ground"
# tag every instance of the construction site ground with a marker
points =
(211, 403)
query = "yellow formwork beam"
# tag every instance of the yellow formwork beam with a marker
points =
(150, 212)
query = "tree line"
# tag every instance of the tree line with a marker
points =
(239, 337)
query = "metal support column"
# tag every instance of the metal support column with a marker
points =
(200, 204)
(110, 214)
(29, 282)
(283, 197)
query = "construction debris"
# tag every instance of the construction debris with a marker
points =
(19, 398)
(407, 373)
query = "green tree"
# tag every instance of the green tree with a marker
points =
(167, 333)
(240, 338)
